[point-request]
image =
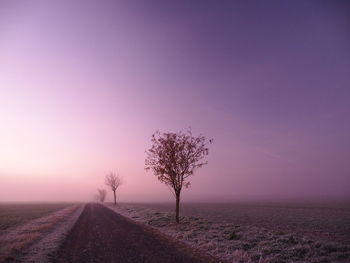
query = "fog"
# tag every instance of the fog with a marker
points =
(84, 84)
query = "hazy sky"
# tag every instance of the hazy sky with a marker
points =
(84, 84)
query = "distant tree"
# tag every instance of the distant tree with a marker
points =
(113, 181)
(102, 193)
(174, 157)
(96, 198)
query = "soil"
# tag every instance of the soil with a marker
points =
(102, 235)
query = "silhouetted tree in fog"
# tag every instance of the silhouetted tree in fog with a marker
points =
(113, 181)
(96, 198)
(102, 194)
(174, 157)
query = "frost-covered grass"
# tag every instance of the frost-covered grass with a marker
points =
(328, 221)
(15, 214)
(235, 241)
(15, 240)
(46, 248)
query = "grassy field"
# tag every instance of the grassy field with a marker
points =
(328, 221)
(24, 225)
(247, 232)
(15, 214)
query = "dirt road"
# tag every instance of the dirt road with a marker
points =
(101, 235)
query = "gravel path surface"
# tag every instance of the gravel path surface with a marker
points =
(101, 235)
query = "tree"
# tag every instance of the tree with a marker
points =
(113, 181)
(96, 198)
(174, 157)
(102, 195)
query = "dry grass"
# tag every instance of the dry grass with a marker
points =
(12, 215)
(319, 221)
(239, 243)
(241, 256)
(15, 240)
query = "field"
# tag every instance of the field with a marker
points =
(232, 232)
(328, 222)
(24, 225)
(15, 214)
(255, 232)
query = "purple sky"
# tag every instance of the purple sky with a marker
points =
(84, 84)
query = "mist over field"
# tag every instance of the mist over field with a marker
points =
(174, 131)
(85, 84)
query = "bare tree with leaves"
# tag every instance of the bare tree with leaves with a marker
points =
(102, 193)
(113, 181)
(174, 157)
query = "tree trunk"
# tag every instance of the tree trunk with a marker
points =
(177, 207)
(115, 199)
